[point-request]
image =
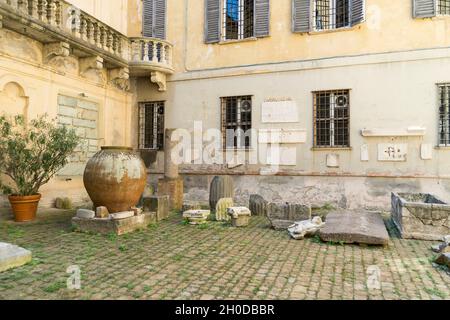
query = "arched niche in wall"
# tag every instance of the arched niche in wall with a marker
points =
(13, 100)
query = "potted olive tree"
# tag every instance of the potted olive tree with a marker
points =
(30, 155)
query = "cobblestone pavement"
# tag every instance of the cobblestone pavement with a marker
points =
(173, 260)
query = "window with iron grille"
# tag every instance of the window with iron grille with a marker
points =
(444, 115)
(236, 122)
(331, 14)
(443, 6)
(151, 125)
(332, 119)
(238, 19)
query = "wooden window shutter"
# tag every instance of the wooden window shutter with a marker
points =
(424, 8)
(147, 19)
(154, 19)
(262, 18)
(159, 28)
(357, 12)
(301, 15)
(212, 21)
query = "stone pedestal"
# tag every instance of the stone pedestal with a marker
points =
(119, 227)
(158, 204)
(240, 216)
(174, 189)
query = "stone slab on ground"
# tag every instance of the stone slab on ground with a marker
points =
(119, 227)
(12, 256)
(361, 227)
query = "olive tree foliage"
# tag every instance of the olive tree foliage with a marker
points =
(32, 153)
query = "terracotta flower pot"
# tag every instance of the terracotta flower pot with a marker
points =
(24, 207)
(115, 177)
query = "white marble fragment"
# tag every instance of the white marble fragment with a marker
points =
(304, 228)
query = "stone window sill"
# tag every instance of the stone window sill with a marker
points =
(225, 42)
(331, 149)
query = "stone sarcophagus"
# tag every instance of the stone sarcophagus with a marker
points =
(420, 216)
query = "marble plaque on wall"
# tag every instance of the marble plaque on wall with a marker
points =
(282, 156)
(392, 152)
(282, 136)
(279, 112)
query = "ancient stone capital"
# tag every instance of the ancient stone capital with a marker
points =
(91, 63)
(56, 49)
(120, 77)
(160, 79)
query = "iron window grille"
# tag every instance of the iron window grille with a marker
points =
(331, 14)
(151, 125)
(443, 7)
(332, 119)
(444, 115)
(236, 122)
(238, 19)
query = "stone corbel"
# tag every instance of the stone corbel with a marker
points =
(120, 77)
(1, 21)
(160, 79)
(56, 49)
(91, 63)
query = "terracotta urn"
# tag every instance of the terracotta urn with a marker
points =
(115, 177)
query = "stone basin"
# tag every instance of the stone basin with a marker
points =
(421, 216)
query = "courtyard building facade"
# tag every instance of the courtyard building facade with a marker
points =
(319, 101)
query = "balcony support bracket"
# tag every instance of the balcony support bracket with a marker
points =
(91, 63)
(120, 78)
(160, 79)
(54, 50)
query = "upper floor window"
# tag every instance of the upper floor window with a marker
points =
(238, 19)
(331, 14)
(431, 8)
(318, 15)
(154, 18)
(443, 6)
(444, 115)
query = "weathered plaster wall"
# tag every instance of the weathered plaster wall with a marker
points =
(390, 91)
(30, 86)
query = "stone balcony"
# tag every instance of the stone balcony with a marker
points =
(65, 29)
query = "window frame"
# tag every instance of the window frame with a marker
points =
(241, 22)
(440, 144)
(438, 11)
(331, 17)
(223, 122)
(158, 119)
(332, 144)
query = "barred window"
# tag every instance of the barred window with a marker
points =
(238, 19)
(444, 115)
(332, 119)
(331, 14)
(151, 125)
(443, 6)
(236, 121)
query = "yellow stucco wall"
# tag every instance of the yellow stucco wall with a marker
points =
(389, 27)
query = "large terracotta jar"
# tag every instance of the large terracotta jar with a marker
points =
(115, 177)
